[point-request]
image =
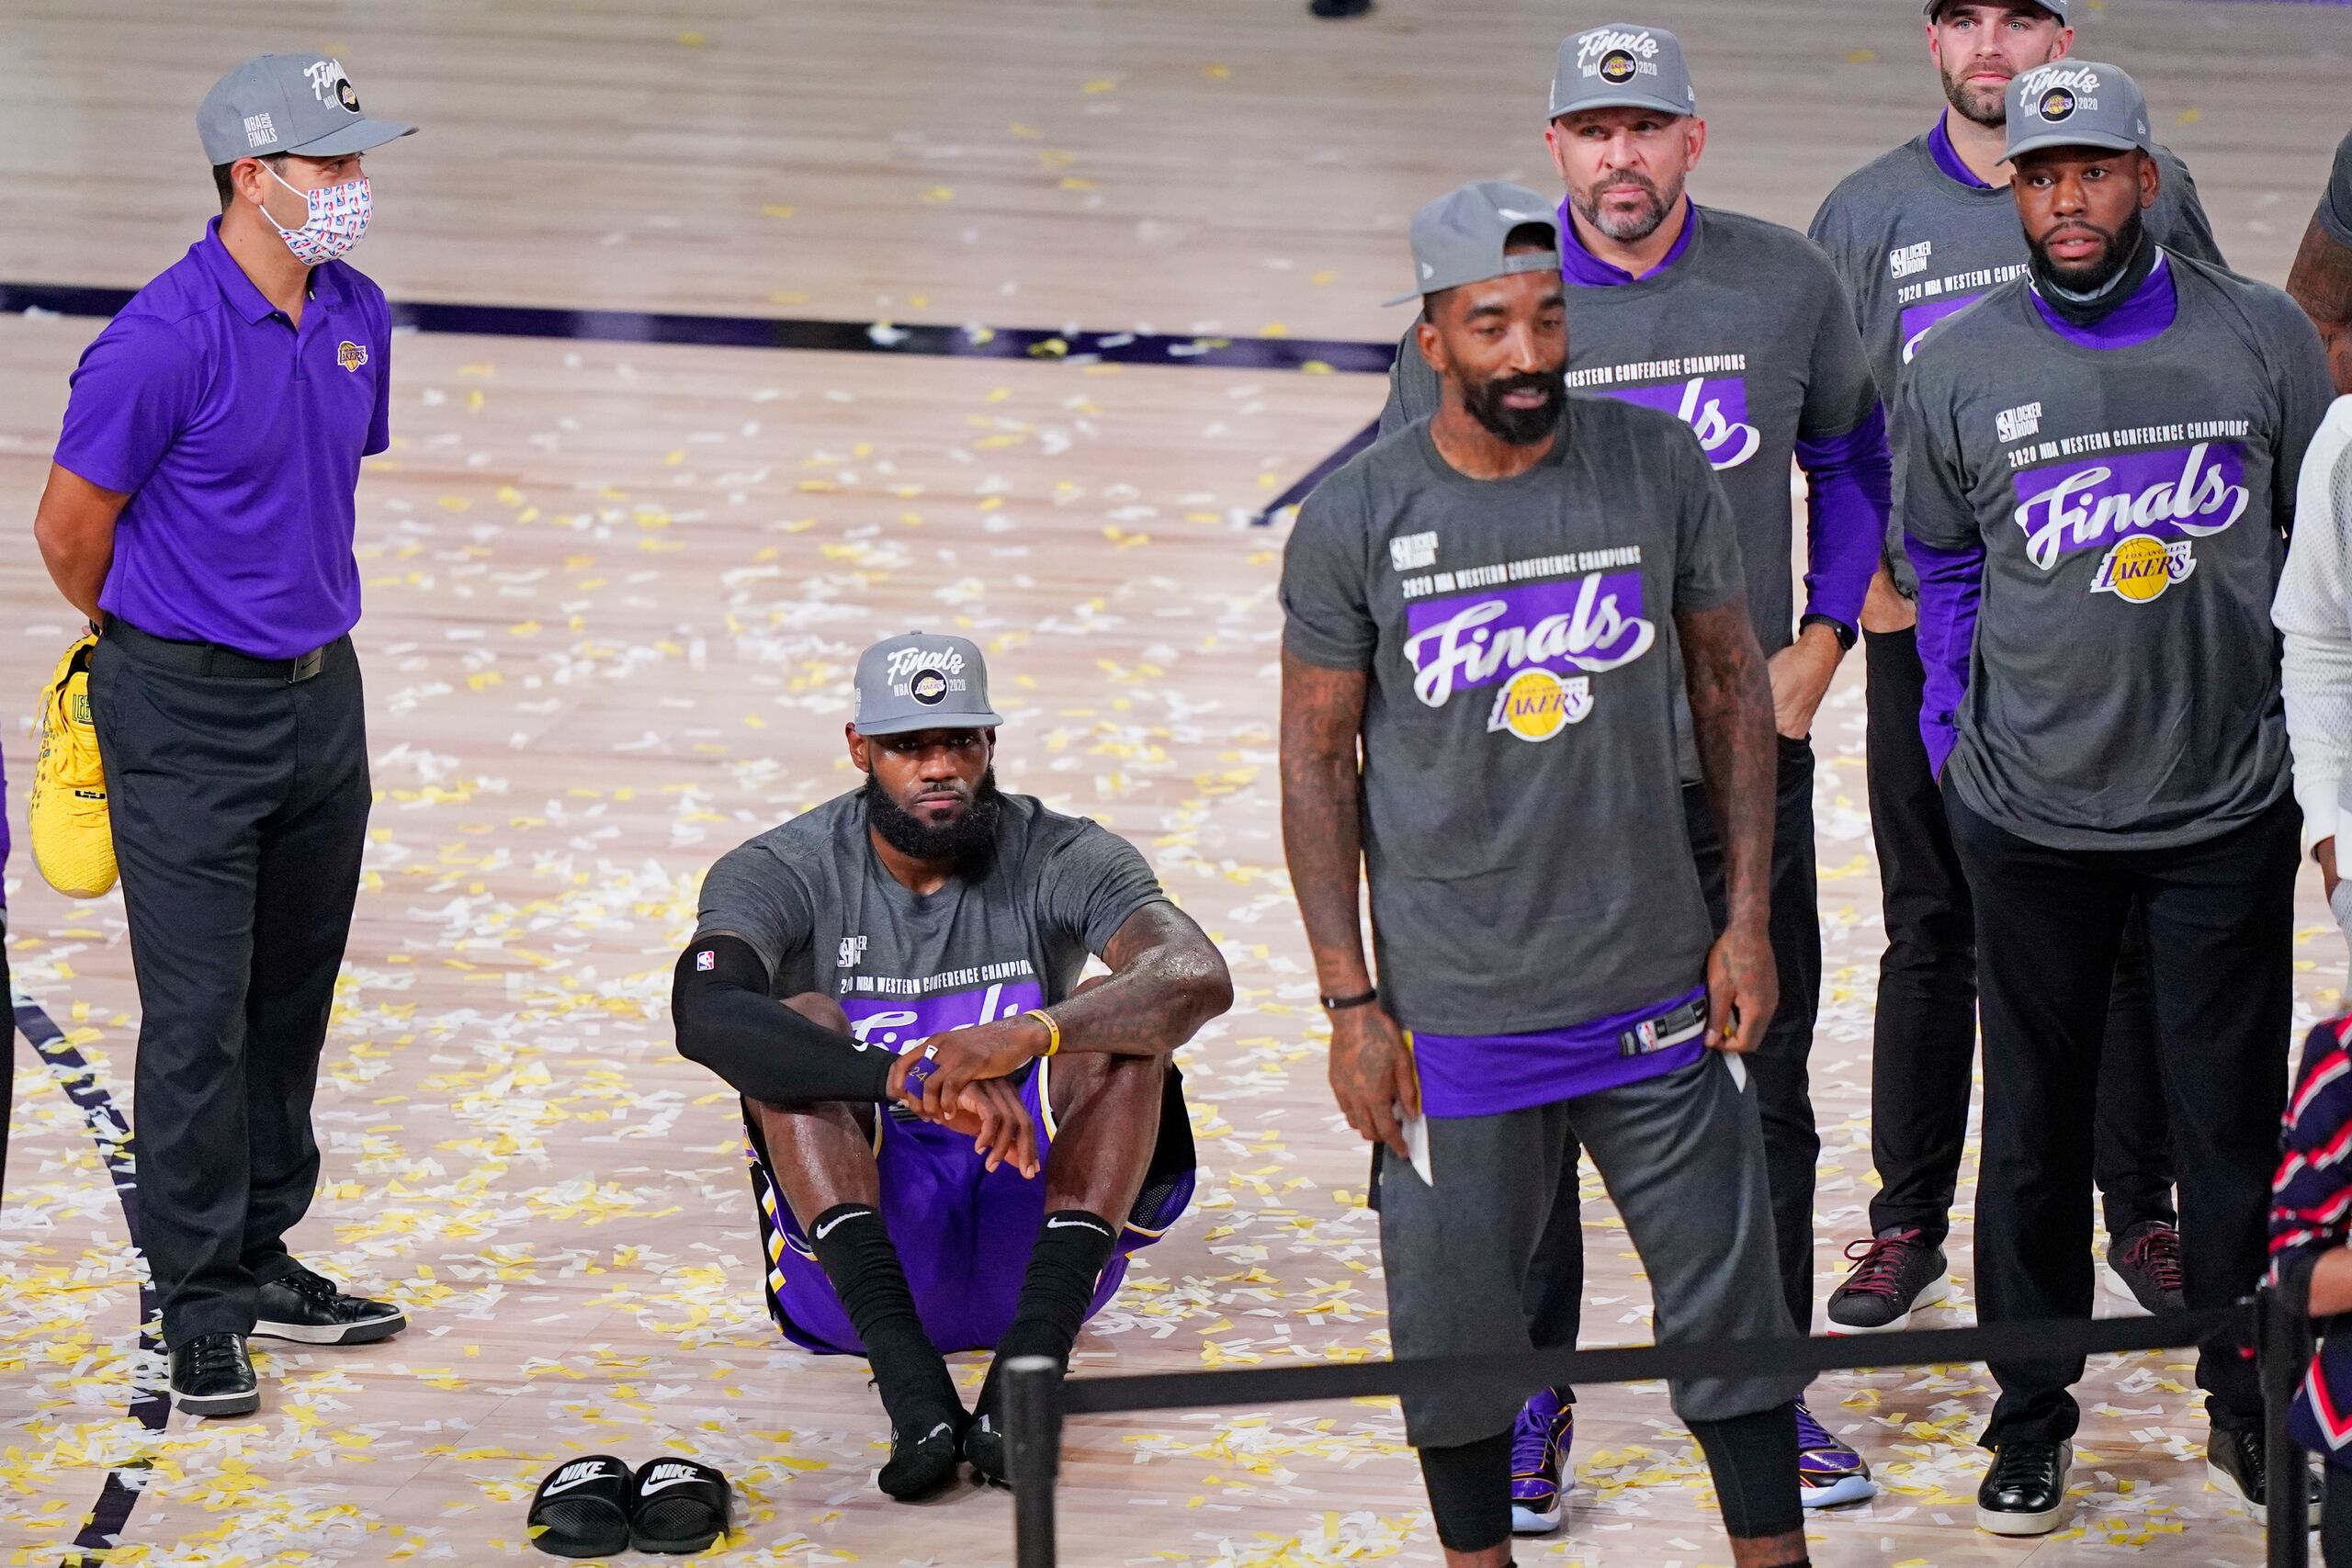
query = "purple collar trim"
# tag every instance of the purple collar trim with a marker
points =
(2137, 319)
(1948, 160)
(1581, 266)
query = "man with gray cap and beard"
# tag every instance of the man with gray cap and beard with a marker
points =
(2097, 474)
(1478, 720)
(1738, 328)
(954, 1144)
(200, 511)
(1916, 235)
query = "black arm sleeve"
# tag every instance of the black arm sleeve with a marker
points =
(726, 1021)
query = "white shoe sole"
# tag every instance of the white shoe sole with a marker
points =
(1935, 1293)
(2121, 1288)
(365, 1332)
(1853, 1489)
(2226, 1484)
(2035, 1524)
(1525, 1521)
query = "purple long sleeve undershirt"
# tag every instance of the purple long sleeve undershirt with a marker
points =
(1951, 582)
(1849, 481)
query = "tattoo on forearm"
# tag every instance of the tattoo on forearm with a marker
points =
(1167, 980)
(1731, 712)
(1323, 813)
(2321, 282)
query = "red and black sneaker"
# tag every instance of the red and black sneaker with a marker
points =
(2145, 1260)
(1894, 1274)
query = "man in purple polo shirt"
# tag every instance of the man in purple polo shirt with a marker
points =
(200, 511)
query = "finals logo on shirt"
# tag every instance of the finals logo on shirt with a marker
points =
(1694, 390)
(1541, 642)
(2144, 510)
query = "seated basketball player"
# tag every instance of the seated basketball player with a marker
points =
(954, 1144)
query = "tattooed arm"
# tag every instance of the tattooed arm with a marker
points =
(1372, 1066)
(2322, 283)
(1731, 712)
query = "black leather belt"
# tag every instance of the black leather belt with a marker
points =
(1671, 1027)
(211, 658)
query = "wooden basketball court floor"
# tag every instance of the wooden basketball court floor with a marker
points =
(613, 590)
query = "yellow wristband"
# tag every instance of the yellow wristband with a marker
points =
(1053, 1030)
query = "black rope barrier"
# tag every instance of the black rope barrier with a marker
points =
(1038, 1396)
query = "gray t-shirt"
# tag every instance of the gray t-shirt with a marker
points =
(2334, 214)
(1912, 246)
(1522, 818)
(824, 915)
(1747, 338)
(2133, 505)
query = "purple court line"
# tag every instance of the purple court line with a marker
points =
(973, 342)
(102, 1528)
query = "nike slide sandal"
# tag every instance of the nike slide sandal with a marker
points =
(679, 1506)
(581, 1509)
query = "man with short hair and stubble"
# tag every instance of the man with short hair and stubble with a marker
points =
(1478, 720)
(200, 511)
(1738, 328)
(1919, 234)
(955, 1144)
(2097, 471)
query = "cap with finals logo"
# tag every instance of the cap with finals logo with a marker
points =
(1459, 238)
(2076, 103)
(289, 102)
(921, 682)
(2055, 7)
(1623, 66)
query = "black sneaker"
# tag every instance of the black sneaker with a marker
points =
(2025, 1491)
(1895, 1275)
(212, 1375)
(920, 1463)
(2238, 1463)
(309, 1309)
(2145, 1260)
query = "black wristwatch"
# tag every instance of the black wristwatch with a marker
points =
(1844, 634)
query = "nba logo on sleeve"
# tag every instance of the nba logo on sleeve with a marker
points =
(706, 961)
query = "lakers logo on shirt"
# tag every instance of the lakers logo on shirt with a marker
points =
(350, 355)
(2139, 569)
(1536, 705)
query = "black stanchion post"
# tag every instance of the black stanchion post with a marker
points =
(2284, 1345)
(1033, 1411)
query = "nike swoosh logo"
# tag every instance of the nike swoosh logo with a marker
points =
(595, 1474)
(1066, 1224)
(824, 1230)
(651, 1487)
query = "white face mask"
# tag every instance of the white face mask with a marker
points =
(338, 217)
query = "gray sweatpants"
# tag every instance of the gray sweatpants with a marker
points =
(1683, 1158)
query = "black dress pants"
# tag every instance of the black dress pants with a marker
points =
(240, 809)
(1924, 1039)
(2219, 921)
(1777, 1070)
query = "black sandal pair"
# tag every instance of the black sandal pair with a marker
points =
(594, 1508)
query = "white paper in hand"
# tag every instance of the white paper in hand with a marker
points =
(1417, 1146)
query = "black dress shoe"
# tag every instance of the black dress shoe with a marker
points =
(309, 1309)
(211, 1376)
(2025, 1491)
(2239, 1463)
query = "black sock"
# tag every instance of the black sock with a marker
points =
(1753, 1460)
(1072, 1247)
(855, 1251)
(1469, 1489)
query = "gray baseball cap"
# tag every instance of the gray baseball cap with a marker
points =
(2055, 7)
(921, 682)
(289, 102)
(1622, 65)
(2076, 103)
(1459, 238)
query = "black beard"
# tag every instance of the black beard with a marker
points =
(2089, 279)
(1520, 427)
(966, 842)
